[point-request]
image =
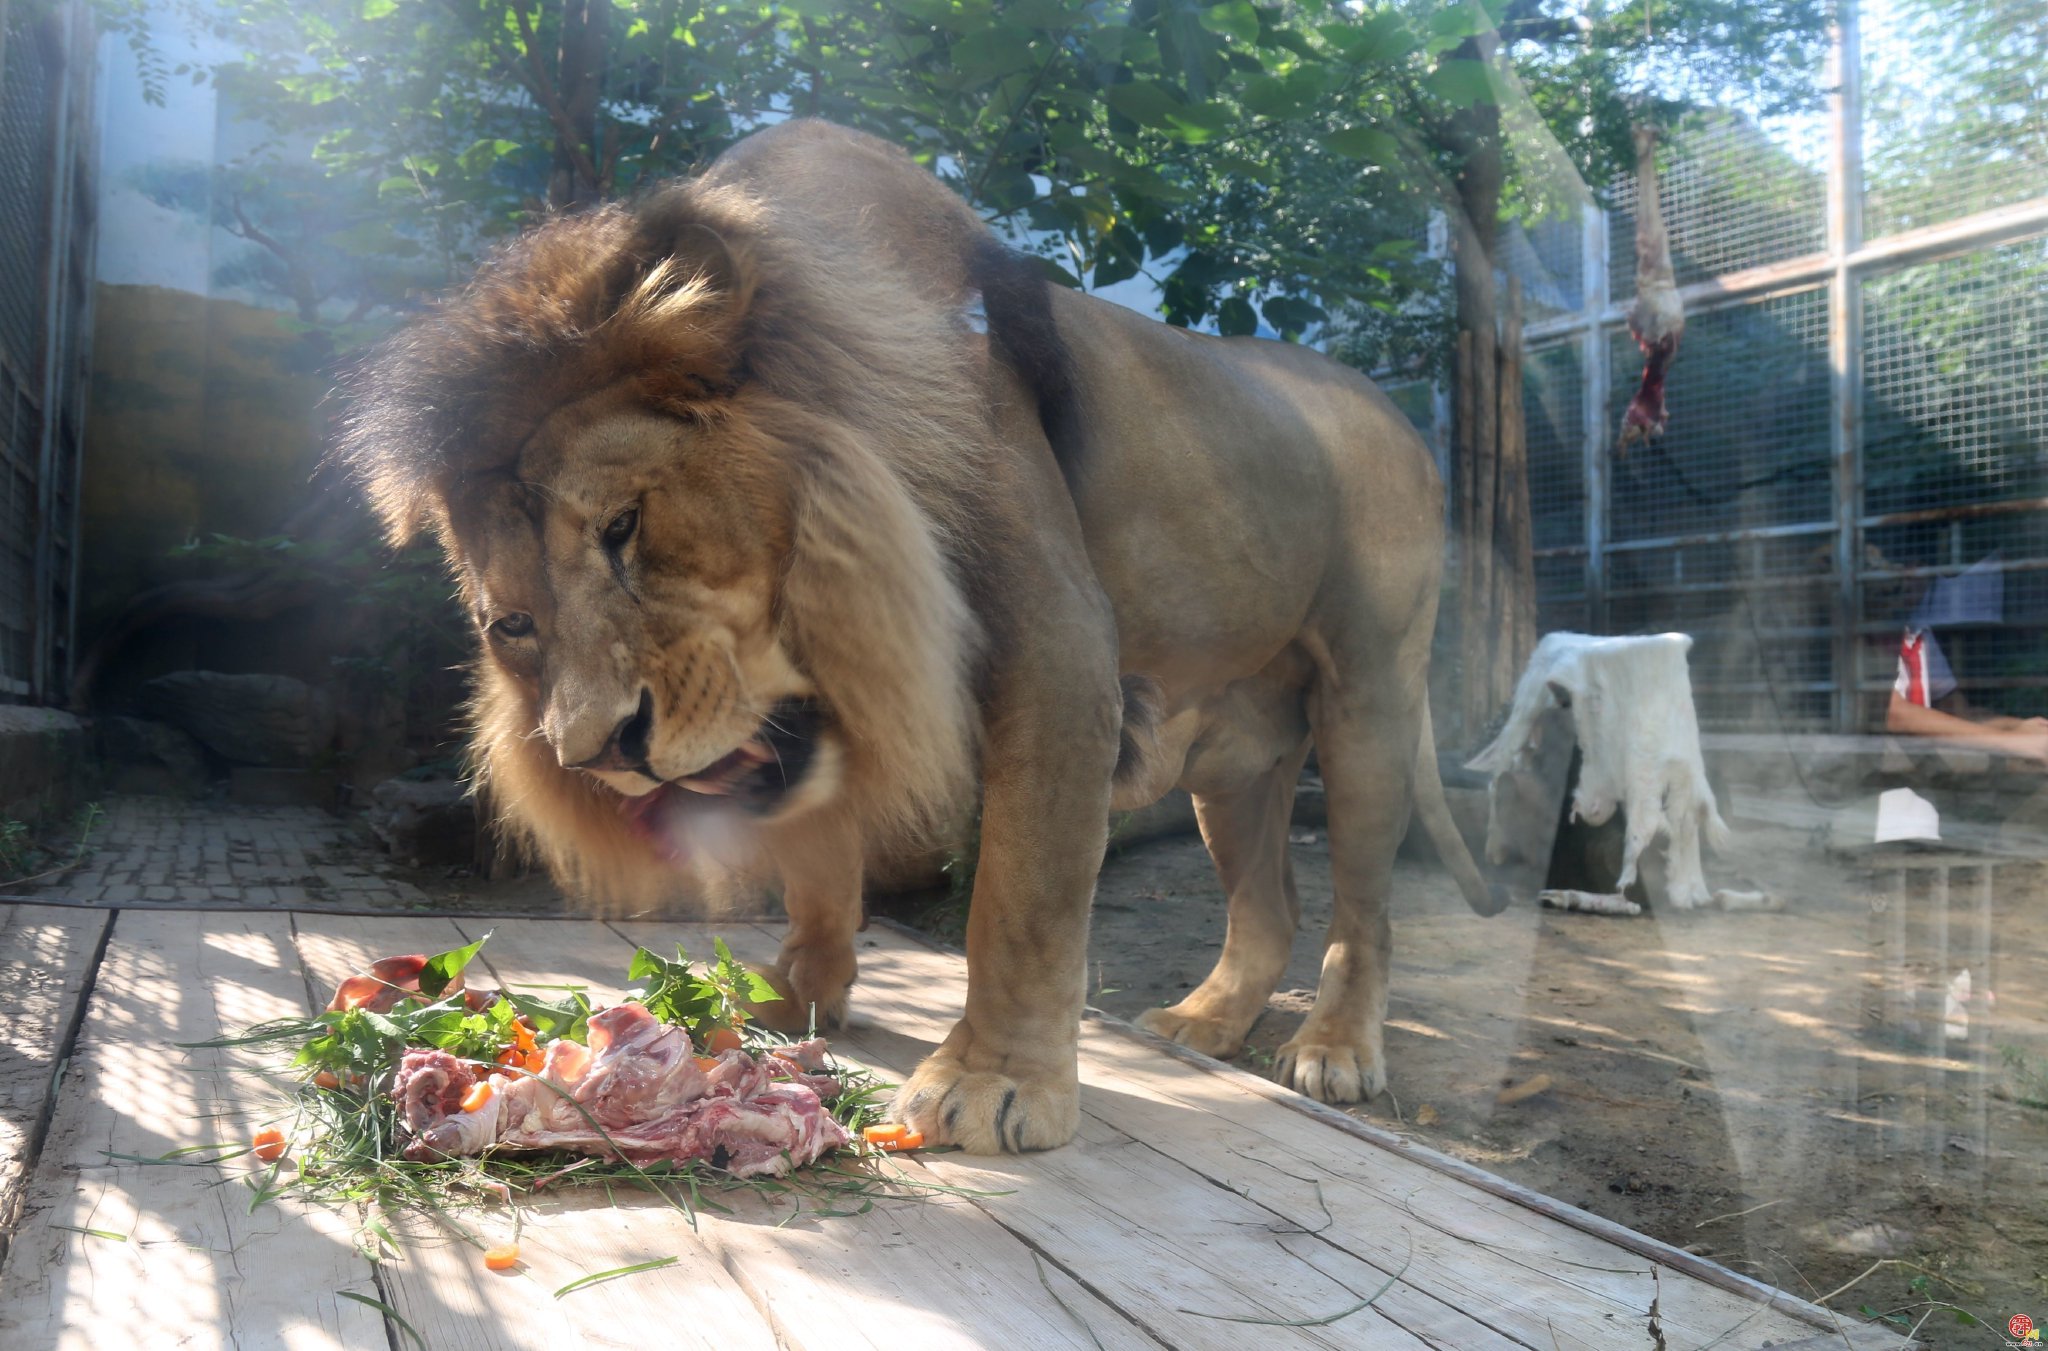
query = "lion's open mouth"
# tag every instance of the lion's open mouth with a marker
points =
(757, 776)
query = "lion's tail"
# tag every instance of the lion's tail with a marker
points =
(1443, 830)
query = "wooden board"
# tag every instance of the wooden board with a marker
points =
(1198, 1207)
(188, 1263)
(47, 955)
(1524, 1276)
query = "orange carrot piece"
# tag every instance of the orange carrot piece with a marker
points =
(326, 1079)
(707, 1063)
(723, 1040)
(887, 1133)
(478, 1097)
(512, 1058)
(907, 1140)
(269, 1145)
(504, 1257)
(536, 1061)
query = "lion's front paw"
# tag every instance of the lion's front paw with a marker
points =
(808, 980)
(988, 1111)
(1211, 1036)
(1330, 1072)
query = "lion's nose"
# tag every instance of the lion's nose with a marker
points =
(626, 750)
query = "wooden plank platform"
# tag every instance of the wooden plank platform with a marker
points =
(1200, 1207)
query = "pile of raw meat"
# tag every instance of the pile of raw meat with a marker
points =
(636, 1090)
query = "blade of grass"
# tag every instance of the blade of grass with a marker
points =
(614, 1274)
(394, 1315)
(92, 1233)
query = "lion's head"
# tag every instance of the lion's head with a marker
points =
(691, 510)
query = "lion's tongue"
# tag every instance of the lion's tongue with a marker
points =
(719, 777)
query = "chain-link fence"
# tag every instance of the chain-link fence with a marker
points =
(1859, 408)
(46, 57)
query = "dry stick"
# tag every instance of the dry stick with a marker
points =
(1738, 1214)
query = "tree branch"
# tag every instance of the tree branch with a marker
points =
(544, 90)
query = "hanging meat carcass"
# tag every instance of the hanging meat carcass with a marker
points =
(1658, 318)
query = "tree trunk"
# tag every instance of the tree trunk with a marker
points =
(1494, 572)
(579, 84)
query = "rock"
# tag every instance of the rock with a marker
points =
(428, 822)
(151, 757)
(265, 720)
(43, 764)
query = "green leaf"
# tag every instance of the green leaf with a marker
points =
(1233, 19)
(1147, 102)
(373, 10)
(1461, 82)
(1460, 21)
(443, 967)
(1044, 14)
(1380, 40)
(1366, 143)
(1290, 316)
(1235, 318)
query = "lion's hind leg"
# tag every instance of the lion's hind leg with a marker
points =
(1365, 734)
(1246, 832)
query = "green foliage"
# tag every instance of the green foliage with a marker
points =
(27, 857)
(1256, 162)
(702, 1003)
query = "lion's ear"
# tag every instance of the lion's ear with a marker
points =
(682, 299)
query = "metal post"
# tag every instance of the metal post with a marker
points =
(1845, 354)
(62, 35)
(1593, 362)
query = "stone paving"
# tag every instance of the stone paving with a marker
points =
(164, 849)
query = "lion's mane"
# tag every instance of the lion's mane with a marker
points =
(838, 347)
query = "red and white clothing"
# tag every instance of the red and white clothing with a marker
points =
(1924, 675)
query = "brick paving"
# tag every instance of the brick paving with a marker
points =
(162, 849)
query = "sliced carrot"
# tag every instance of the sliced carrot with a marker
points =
(269, 1145)
(512, 1058)
(536, 1061)
(478, 1097)
(707, 1063)
(327, 1079)
(504, 1257)
(721, 1041)
(887, 1133)
(522, 1036)
(907, 1140)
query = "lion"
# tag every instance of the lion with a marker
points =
(793, 510)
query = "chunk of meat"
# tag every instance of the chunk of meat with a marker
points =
(391, 979)
(636, 1090)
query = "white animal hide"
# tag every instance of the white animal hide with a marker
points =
(1630, 702)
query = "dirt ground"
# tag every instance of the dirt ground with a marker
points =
(1788, 1093)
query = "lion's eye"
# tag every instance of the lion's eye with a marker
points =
(513, 625)
(621, 528)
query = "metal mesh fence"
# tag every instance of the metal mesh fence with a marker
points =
(1748, 438)
(1955, 408)
(1548, 257)
(27, 106)
(1955, 112)
(26, 109)
(1733, 198)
